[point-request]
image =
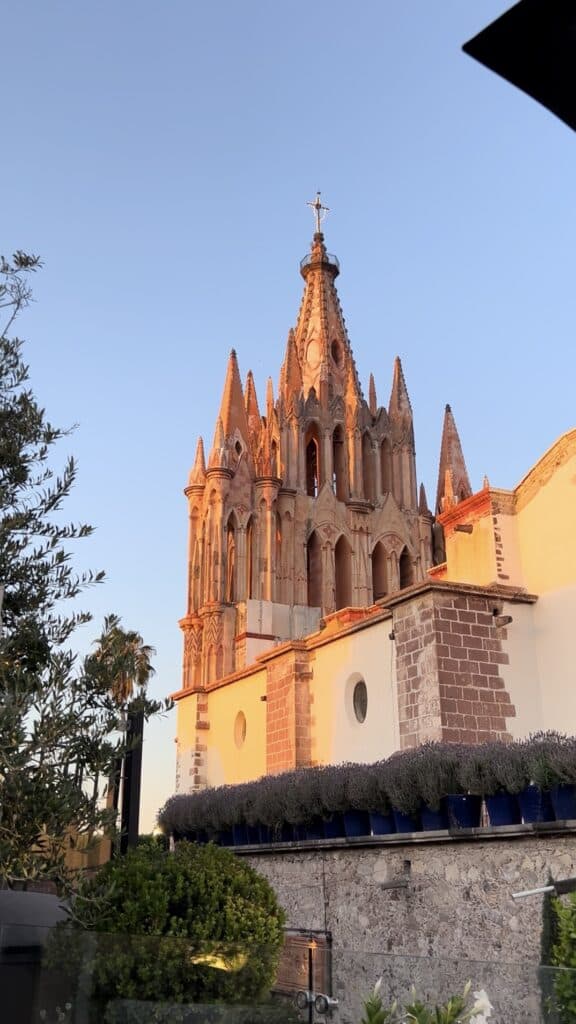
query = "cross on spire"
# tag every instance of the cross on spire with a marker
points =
(319, 211)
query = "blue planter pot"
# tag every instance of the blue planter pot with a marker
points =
(503, 809)
(202, 837)
(314, 829)
(286, 833)
(564, 801)
(381, 824)
(299, 833)
(406, 822)
(434, 821)
(535, 805)
(356, 823)
(334, 827)
(226, 838)
(464, 810)
(265, 834)
(240, 835)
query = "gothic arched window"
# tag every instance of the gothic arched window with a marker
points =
(312, 444)
(339, 481)
(379, 571)
(250, 559)
(386, 466)
(368, 467)
(406, 569)
(314, 570)
(230, 593)
(343, 573)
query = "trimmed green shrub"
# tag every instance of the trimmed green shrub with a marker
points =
(564, 955)
(198, 925)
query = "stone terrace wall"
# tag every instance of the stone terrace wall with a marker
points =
(456, 906)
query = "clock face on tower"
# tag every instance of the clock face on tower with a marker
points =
(313, 354)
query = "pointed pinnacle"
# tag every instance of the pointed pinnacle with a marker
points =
(197, 476)
(452, 463)
(251, 403)
(232, 409)
(399, 408)
(269, 399)
(372, 400)
(423, 509)
(218, 455)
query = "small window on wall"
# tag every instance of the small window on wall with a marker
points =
(240, 729)
(360, 701)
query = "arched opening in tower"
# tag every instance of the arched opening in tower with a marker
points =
(231, 560)
(314, 571)
(368, 467)
(339, 480)
(406, 569)
(274, 459)
(343, 573)
(312, 461)
(386, 466)
(379, 571)
(278, 563)
(250, 559)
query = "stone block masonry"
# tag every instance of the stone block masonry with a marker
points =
(449, 654)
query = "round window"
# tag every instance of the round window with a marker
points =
(360, 700)
(240, 729)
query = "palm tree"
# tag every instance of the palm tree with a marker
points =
(124, 659)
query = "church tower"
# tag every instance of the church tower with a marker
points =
(305, 505)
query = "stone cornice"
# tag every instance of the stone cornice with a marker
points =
(557, 455)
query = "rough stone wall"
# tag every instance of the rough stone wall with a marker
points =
(432, 914)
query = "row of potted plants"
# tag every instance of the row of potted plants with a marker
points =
(431, 787)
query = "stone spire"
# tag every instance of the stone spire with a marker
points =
(197, 477)
(291, 373)
(219, 456)
(232, 407)
(399, 409)
(269, 401)
(252, 411)
(372, 400)
(423, 509)
(321, 339)
(453, 480)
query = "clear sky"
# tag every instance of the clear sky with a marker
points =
(159, 157)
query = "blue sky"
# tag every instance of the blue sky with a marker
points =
(159, 157)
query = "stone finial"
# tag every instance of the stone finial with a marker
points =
(452, 460)
(197, 476)
(372, 401)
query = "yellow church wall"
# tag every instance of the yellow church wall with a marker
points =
(337, 735)
(546, 530)
(227, 760)
(522, 675)
(470, 557)
(186, 710)
(554, 622)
